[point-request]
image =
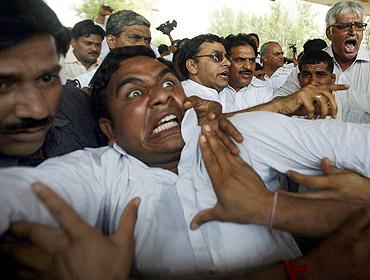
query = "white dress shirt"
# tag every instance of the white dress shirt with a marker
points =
(85, 78)
(278, 78)
(98, 184)
(72, 67)
(193, 88)
(256, 93)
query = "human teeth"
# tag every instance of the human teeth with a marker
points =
(165, 126)
(167, 118)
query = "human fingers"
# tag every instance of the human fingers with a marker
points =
(328, 101)
(191, 102)
(68, 220)
(329, 169)
(229, 128)
(126, 226)
(228, 143)
(213, 169)
(203, 217)
(42, 236)
(315, 182)
(322, 103)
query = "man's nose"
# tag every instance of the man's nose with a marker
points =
(159, 96)
(31, 103)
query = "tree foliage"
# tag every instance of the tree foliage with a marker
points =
(277, 25)
(89, 8)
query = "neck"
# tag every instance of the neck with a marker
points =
(170, 166)
(269, 70)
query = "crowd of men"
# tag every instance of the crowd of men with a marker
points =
(117, 161)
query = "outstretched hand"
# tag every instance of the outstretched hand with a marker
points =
(241, 195)
(311, 101)
(210, 112)
(76, 251)
(336, 183)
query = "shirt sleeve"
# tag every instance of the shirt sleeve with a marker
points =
(74, 177)
(290, 86)
(274, 144)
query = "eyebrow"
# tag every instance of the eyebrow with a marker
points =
(163, 73)
(17, 76)
(125, 82)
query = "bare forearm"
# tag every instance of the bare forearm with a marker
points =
(310, 217)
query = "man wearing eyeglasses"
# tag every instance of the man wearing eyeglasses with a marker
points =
(202, 61)
(244, 90)
(344, 28)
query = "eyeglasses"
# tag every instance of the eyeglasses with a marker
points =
(347, 26)
(216, 56)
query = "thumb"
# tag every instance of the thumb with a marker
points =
(328, 169)
(203, 217)
(126, 225)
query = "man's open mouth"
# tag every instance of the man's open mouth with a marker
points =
(224, 74)
(350, 45)
(167, 122)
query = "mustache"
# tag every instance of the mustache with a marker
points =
(26, 123)
(246, 71)
(93, 53)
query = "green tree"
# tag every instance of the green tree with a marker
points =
(277, 25)
(89, 8)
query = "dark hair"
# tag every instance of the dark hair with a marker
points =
(22, 19)
(241, 39)
(190, 49)
(255, 36)
(85, 28)
(162, 48)
(316, 57)
(314, 44)
(103, 74)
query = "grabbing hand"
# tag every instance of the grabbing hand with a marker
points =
(210, 112)
(336, 183)
(241, 195)
(76, 251)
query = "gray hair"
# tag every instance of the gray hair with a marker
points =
(343, 8)
(120, 19)
(264, 47)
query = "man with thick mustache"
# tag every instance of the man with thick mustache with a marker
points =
(83, 56)
(140, 108)
(244, 90)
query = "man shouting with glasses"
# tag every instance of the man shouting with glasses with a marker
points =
(344, 28)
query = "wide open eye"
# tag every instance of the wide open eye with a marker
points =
(134, 93)
(167, 84)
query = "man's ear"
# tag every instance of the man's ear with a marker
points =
(73, 43)
(333, 78)
(107, 128)
(328, 33)
(191, 66)
(111, 41)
